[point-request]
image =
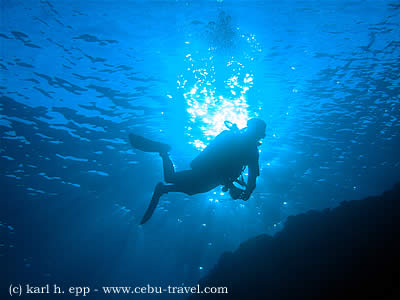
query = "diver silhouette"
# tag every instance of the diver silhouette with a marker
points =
(220, 163)
(221, 33)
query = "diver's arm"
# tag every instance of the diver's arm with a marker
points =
(251, 184)
(254, 172)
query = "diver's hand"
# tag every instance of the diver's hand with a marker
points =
(245, 195)
(235, 192)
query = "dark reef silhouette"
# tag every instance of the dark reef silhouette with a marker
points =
(349, 251)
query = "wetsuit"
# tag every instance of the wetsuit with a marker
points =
(220, 163)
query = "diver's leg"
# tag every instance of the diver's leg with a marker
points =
(171, 188)
(168, 166)
(192, 189)
(190, 183)
(188, 186)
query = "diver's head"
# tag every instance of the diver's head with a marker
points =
(256, 128)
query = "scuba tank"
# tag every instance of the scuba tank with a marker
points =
(217, 149)
(221, 155)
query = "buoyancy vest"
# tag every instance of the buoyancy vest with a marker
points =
(226, 156)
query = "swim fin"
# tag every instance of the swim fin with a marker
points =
(153, 203)
(146, 145)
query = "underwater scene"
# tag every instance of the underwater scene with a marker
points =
(79, 79)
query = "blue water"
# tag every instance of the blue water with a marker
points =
(78, 76)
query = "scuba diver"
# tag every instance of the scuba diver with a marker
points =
(221, 33)
(220, 163)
